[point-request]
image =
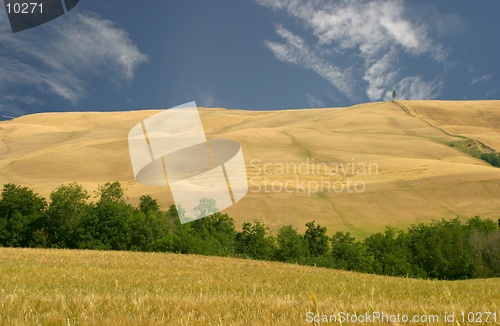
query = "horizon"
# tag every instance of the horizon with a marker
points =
(6, 118)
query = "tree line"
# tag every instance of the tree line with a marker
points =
(445, 249)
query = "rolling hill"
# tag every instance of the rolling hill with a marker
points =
(397, 156)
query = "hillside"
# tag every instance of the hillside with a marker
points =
(76, 287)
(415, 176)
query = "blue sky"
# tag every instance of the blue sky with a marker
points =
(250, 54)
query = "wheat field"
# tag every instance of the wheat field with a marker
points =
(71, 287)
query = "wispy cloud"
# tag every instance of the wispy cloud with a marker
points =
(481, 79)
(207, 98)
(314, 102)
(492, 92)
(414, 87)
(372, 34)
(296, 51)
(9, 105)
(59, 57)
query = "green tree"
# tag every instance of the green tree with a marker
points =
(111, 192)
(106, 227)
(478, 224)
(291, 245)
(66, 211)
(442, 249)
(22, 213)
(255, 242)
(485, 242)
(218, 234)
(392, 255)
(316, 239)
(393, 94)
(350, 255)
(147, 204)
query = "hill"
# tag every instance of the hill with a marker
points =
(126, 288)
(399, 159)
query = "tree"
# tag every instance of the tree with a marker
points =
(253, 241)
(317, 240)
(218, 234)
(391, 254)
(207, 206)
(22, 213)
(393, 94)
(350, 255)
(111, 192)
(147, 204)
(485, 242)
(442, 249)
(108, 224)
(291, 245)
(66, 211)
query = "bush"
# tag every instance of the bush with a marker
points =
(492, 158)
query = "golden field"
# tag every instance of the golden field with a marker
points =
(415, 177)
(71, 287)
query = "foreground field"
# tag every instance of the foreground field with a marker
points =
(56, 287)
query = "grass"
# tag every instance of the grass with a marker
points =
(56, 287)
(471, 147)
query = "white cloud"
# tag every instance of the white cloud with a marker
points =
(9, 105)
(374, 33)
(481, 79)
(58, 57)
(314, 102)
(492, 92)
(207, 99)
(296, 51)
(415, 88)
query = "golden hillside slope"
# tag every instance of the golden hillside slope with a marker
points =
(415, 176)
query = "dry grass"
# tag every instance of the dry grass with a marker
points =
(479, 120)
(420, 177)
(56, 287)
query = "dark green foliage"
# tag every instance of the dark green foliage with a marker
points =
(390, 251)
(291, 246)
(213, 235)
(218, 233)
(485, 242)
(350, 255)
(255, 242)
(492, 158)
(442, 250)
(65, 214)
(22, 213)
(148, 204)
(316, 239)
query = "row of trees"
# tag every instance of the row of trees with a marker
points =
(443, 249)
